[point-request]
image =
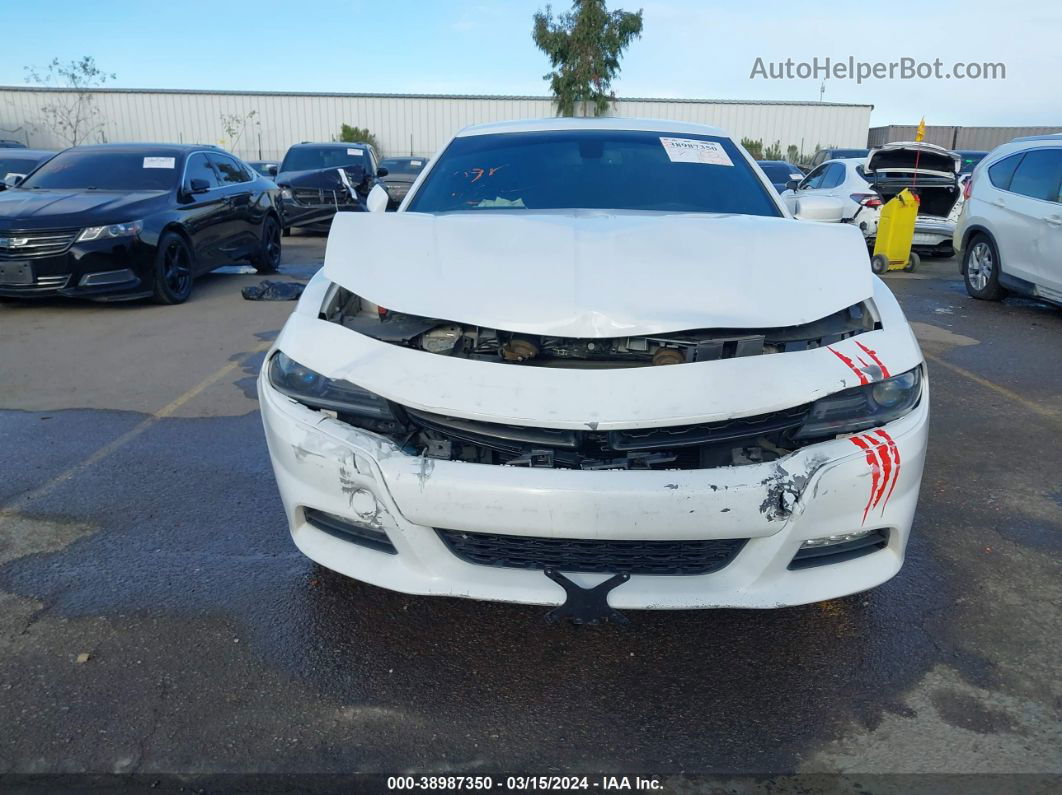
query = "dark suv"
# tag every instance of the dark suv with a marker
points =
(318, 180)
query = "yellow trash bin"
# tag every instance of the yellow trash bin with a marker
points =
(892, 248)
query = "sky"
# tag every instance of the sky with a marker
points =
(688, 49)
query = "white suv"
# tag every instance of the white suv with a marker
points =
(1010, 230)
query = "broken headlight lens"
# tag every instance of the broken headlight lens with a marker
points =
(863, 407)
(310, 388)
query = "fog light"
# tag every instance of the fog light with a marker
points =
(107, 277)
(840, 538)
(839, 548)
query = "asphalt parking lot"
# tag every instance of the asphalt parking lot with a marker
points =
(155, 617)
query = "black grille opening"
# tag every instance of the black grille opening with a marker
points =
(810, 557)
(360, 534)
(746, 440)
(593, 555)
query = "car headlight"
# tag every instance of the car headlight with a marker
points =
(130, 229)
(285, 193)
(309, 387)
(863, 407)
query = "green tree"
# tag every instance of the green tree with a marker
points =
(358, 135)
(792, 155)
(754, 148)
(773, 152)
(71, 115)
(584, 48)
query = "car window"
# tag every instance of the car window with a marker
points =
(834, 176)
(309, 158)
(1038, 175)
(814, 180)
(594, 169)
(231, 172)
(1000, 174)
(18, 165)
(108, 169)
(199, 168)
(403, 165)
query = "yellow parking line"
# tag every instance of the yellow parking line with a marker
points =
(128, 436)
(1035, 408)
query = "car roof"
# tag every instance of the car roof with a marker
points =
(328, 145)
(1053, 137)
(598, 123)
(144, 147)
(20, 152)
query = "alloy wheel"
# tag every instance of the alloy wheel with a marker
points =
(979, 268)
(177, 270)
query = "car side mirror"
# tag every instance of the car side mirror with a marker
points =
(793, 184)
(377, 200)
(382, 172)
(10, 181)
(819, 208)
(198, 186)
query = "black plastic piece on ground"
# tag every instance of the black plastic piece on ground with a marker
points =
(586, 605)
(273, 291)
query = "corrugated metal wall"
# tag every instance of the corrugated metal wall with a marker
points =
(956, 137)
(403, 124)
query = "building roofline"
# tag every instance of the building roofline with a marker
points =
(112, 90)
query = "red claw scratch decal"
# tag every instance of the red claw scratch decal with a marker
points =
(883, 458)
(851, 365)
(874, 370)
(874, 355)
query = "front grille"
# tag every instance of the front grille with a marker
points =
(592, 555)
(312, 197)
(43, 284)
(37, 243)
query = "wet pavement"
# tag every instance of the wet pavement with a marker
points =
(155, 617)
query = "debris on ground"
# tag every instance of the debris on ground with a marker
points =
(273, 291)
(84, 657)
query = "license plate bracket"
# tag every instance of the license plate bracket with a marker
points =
(16, 273)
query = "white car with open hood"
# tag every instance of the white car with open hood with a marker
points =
(597, 363)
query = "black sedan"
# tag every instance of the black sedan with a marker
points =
(402, 172)
(123, 221)
(780, 173)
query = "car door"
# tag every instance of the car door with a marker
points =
(242, 226)
(1034, 207)
(203, 211)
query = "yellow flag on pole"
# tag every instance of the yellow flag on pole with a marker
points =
(920, 133)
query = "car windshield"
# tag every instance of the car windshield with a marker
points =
(107, 170)
(593, 169)
(836, 154)
(307, 158)
(781, 172)
(17, 165)
(408, 166)
(970, 160)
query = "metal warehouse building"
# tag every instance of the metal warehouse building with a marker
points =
(956, 137)
(403, 123)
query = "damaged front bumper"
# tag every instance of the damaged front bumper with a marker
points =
(442, 521)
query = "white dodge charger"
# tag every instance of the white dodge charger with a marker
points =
(596, 363)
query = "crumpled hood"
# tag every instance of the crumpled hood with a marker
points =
(32, 209)
(600, 274)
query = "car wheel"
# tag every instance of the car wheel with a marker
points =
(980, 269)
(173, 270)
(268, 258)
(879, 263)
(913, 261)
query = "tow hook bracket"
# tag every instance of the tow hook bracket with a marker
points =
(586, 605)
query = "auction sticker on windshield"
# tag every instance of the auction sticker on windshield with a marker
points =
(688, 150)
(159, 162)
